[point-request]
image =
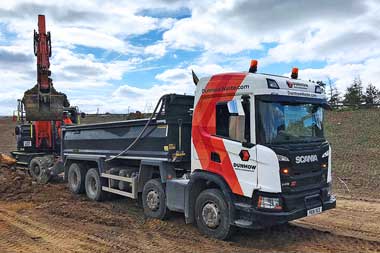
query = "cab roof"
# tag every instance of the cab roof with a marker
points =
(265, 84)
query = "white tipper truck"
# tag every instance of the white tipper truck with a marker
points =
(247, 150)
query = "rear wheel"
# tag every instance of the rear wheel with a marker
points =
(154, 200)
(212, 215)
(76, 178)
(93, 185)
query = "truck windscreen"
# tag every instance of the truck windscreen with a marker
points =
(284, 122)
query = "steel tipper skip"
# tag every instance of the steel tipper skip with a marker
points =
(248, 150)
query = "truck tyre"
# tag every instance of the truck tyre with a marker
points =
(154, 200)
(76, 177)
(211, 214)
(39, 169)
(93, 185)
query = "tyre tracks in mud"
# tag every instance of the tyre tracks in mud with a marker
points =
(352, 218)
(21, 233)
(25, 227)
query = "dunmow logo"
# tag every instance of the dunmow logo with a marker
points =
(306, 159)
(246, 167)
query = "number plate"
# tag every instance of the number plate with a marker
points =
(27, 143)
(314, 211)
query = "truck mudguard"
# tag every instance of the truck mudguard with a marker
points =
(145, 173)
(199, 181)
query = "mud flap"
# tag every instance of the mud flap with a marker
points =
(57, 168)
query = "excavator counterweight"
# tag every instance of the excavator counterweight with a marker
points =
(43, 102)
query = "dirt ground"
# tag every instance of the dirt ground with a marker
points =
(48, 218)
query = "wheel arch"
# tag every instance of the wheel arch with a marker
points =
(199, 181)
(153, 169)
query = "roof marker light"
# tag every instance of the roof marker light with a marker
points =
(272, 84)
(253, 66)
(294, 73)
(318, 89)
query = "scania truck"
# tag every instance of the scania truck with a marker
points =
(247, 150)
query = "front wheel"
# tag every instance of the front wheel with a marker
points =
(212, 215)
(154, 200)
(39, 169)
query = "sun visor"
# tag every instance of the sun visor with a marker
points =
(294, 100)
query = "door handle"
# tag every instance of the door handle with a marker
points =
(215, 157)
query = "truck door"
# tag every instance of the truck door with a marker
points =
(228, 148)
(235, 126)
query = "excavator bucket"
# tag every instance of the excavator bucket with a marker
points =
(44, 106)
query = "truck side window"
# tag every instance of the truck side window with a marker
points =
(222, 119)
(233, 125)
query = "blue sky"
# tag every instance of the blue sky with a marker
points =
(113, 55)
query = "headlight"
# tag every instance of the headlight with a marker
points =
(269, 203)
(326, 154)
(282, 158)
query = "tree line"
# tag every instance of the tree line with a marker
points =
(354, 95)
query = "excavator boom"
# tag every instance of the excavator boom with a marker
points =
(43, 102)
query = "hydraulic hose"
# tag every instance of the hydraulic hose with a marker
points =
(142, 131)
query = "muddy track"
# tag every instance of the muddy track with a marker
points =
(48, 218)
(353, 218)
(44, 237)
(25, 227)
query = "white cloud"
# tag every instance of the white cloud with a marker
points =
(88, 24)
(70, 66)
(344, 34)
(344, 74)
(103, 25)
(177, 80)
(233, 26)
(158, 49)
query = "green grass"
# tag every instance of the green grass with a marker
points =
(355, 140)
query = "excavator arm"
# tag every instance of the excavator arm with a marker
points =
(43, 102)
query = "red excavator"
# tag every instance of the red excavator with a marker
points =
(40, 114)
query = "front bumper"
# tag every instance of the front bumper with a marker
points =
(248, 216)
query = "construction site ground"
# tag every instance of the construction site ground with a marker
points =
(48, 218)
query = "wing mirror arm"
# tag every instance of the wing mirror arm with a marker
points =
(248, 144)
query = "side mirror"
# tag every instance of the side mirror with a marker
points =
(17, 130)
(327, 106)
(235, 107)
(83, 115)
